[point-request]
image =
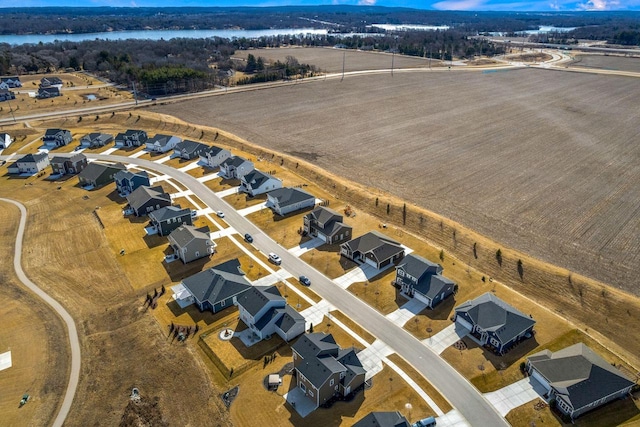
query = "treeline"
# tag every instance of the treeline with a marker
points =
(263, 72)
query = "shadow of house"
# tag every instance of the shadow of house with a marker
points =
(177, 271)
(286, 200)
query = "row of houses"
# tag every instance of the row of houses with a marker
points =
(10, 82)
(6, 95)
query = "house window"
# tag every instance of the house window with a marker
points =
(295, 356)
(303, 387)
(179, 219)
(223, 303)
(331, 382)
(341, 375)
(311, 393)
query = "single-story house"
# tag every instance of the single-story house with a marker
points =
(31, 163)
(286, 200)
(257, 182)
(96, 139)
(266, 312)
(47, 82)
(189, 149)
(419, 278)
(578, 379)
(10, 82)
(190, 243)
(131, 138)
(373, 248)
(145, 199)
(5, 140)
(6, 95)
(126, 181)
(235, 167)
(97, 174)
(68, 165)
(167, 219)
(48, 92)
(494, 322)
(327, 225)
(218, 287)
(323, 369)
(57, 137)
(213, 156)
(162, 143)
(383, 419)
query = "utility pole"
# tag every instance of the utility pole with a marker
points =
(135, 92)
(344, 54)
(393, 55)
(429, 57)
(11, 111)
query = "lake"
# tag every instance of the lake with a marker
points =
(155, 35)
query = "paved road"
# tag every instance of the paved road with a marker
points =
(462, 395)
(68, 320)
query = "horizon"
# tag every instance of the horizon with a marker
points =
(434, 5)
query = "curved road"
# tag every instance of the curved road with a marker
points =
(71, 326)
(453, 386)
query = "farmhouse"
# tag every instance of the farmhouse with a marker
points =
(216, 288)
(257, 182)
(421, 279)
(145, 199)
(285, 200)
(5, 140)
(48, 92)
(95, 140)
(167, 219)
(189, 149)
(131, 138)
(162, 143)
(373, 248)
(235, 167)
(6, 95)
(56, 137)
(10, 82)
(383, 419)
(47, 82)
(266, 312)
(31, 163)
(213, 156)
(326, 224)
(190, 243)
(127, 181)
(578, 379)
(323, 369)
(97, 174)
(68, 165)
(494, 322)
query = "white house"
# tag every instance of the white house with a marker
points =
(235, 167)
(32, 163)
(214, 156)
(162, 143)
(5, 140)
(285, 200)
(257, 182)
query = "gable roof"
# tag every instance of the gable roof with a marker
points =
(256, 178)
(190, 146)
(130, 133)
(579, 374)
(95, 169)
(234, 161)
(492, 314)
(168, 212)
(214, 150)
(323, 214)
(217, 283)
(185, 234)
(96, 136)
(349, 359)
(381, 246)
(257, 297)
(289, 196)
(430, 281)
(128, 175)
(383, 419)
(55, 132)
(162, 139)
(33, 158)
(143, 194)
(289, 319)
(78, 157)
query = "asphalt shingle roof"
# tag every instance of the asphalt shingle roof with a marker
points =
(255, 299)
(33, 158)
(217, 283)
(416, 266)
(289, 319)
(381, 246)
(256, 178)
(190, 146)
(184, 234)
(289, 196)
(168, 212)
(94, 170)
(143, 194)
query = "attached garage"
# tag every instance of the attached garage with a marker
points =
(464, 323)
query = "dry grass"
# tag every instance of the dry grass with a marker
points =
(243, 200)
(354, 327)
(304, 289)
(379, 293)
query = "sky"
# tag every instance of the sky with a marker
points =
(470, 5)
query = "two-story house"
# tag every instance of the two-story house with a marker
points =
(326, 224)
(213, 156)
(31, 163)
(190, 243)
(235, 167)
(95, 140)
(97, 174)
(127, 182)
(6, 95)
(68, 165)
(374, 249)
(189, 149)
(10, 82)
(145, 199)
(167, 219)
(48, 92)
(286, 200)
(419, 278)
(162, 143)
(56, 137)
(257, 182)
(131, 138)
(5, 140)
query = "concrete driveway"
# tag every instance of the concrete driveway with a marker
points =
(446, 338)
(516, 394)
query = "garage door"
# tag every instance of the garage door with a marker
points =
(322, 236)
(464, 323)
(371, 262)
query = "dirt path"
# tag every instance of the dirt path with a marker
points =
(71, 326)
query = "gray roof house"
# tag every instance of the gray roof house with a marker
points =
(327, 225)
(235, 167)
(6, 95)
(266, 312)
(189, 149)
(190, 243)
(56, 137)
(494, 322)
(31, 163)
(127, 182)
(5, 140)
(373, 248)
(217, 287)
(419, 278)
(68, 165)
(97, 174)
(10, 82)
(49, 81)
(578, 379)
(162, 143)
(383, 419)
(96, 139)
(145, 199)
(131, 138)
(286, 200)
(167, 219)
(323, 369)
(213, 156)
(48, 92)
(257, 182)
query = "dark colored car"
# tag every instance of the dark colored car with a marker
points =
(248, 238)
(305, 280)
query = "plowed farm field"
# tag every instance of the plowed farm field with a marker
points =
(543, 161)
(607, 62)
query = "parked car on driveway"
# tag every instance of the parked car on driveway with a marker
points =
(305, 280)
(248, 238)
(275, 259)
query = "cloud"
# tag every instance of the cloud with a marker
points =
(367, 2)
(599, 5)
(459, 5)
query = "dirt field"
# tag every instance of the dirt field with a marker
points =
(554, 176)
(607, 62)
(330, 60)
